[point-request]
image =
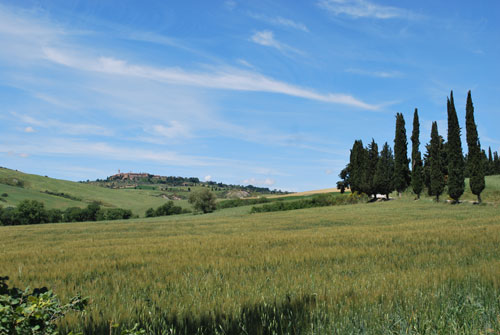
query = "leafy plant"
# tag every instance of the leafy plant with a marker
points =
(35, 312)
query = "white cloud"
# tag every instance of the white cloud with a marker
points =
(244, 63)
(328, 171)
(266, 38)
(363, 9)
(219, 78)
(207, 178)
(13, 154)
(70, 147)
(280, 21)
(64, 127)
(259, 182)
(379, 74)
(174, 130)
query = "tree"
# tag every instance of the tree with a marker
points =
(491, 165)
(476, 169)
(496, 163)
(417, 177)
(384, 171)
(436, 173)
(456, 179)
(31, 212)
(401, 170)
(203, 200)
(356, 166)
(370, 169)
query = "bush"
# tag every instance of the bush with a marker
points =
(36, 312)
(167, 208)
(203, 200)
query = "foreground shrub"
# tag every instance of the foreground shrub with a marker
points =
(35, 312)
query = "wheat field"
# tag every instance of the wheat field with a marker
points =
(398, 267)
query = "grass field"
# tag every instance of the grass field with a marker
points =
(398, 267)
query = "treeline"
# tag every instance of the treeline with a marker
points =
(241, 202)
(444, 166)
(166, 209)
(320, 200)
(34, 212)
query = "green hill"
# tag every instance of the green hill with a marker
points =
(16, 186)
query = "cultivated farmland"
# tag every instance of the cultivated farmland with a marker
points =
(399, 267)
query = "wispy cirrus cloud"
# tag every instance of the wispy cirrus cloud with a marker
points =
(378, 74)
(280, 21)
(266, 38)
(63, 127)
(227, 78)
(364, 9)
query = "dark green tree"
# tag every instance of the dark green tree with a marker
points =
(356, 166)
(384, 172)
(436, 172)
(203, 200)
(370, 169)
(491, 165)
(476, 168)
(401, 170)
(456, 179)
(496, 163)
(417, 177)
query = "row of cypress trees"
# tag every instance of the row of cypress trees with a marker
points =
(443, 163)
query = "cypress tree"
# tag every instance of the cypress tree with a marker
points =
(496, 163)
(356, 166)
(476, 169)
(416, 158)
(401, 170)
(370, 168)
(385, 171)
(456, 179)
(436, 173)
(491, 167)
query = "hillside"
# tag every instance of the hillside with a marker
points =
(56, 193)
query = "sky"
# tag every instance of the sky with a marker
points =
(268, 93)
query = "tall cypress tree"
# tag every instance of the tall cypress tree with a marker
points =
(476, 169)
(356, 166)
(496, 163)
(491, 167)
(417, 178)
(456, 179)
(436, 173)
(370, 168)
(401, 170)
(385, 171)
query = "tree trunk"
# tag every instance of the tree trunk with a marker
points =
(479, 198)
(437, 198)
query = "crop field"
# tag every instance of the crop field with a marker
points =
(397, 267)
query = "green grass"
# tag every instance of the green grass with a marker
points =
(397, 267)
(136, 200)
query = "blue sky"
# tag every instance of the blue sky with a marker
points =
(270, 93)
